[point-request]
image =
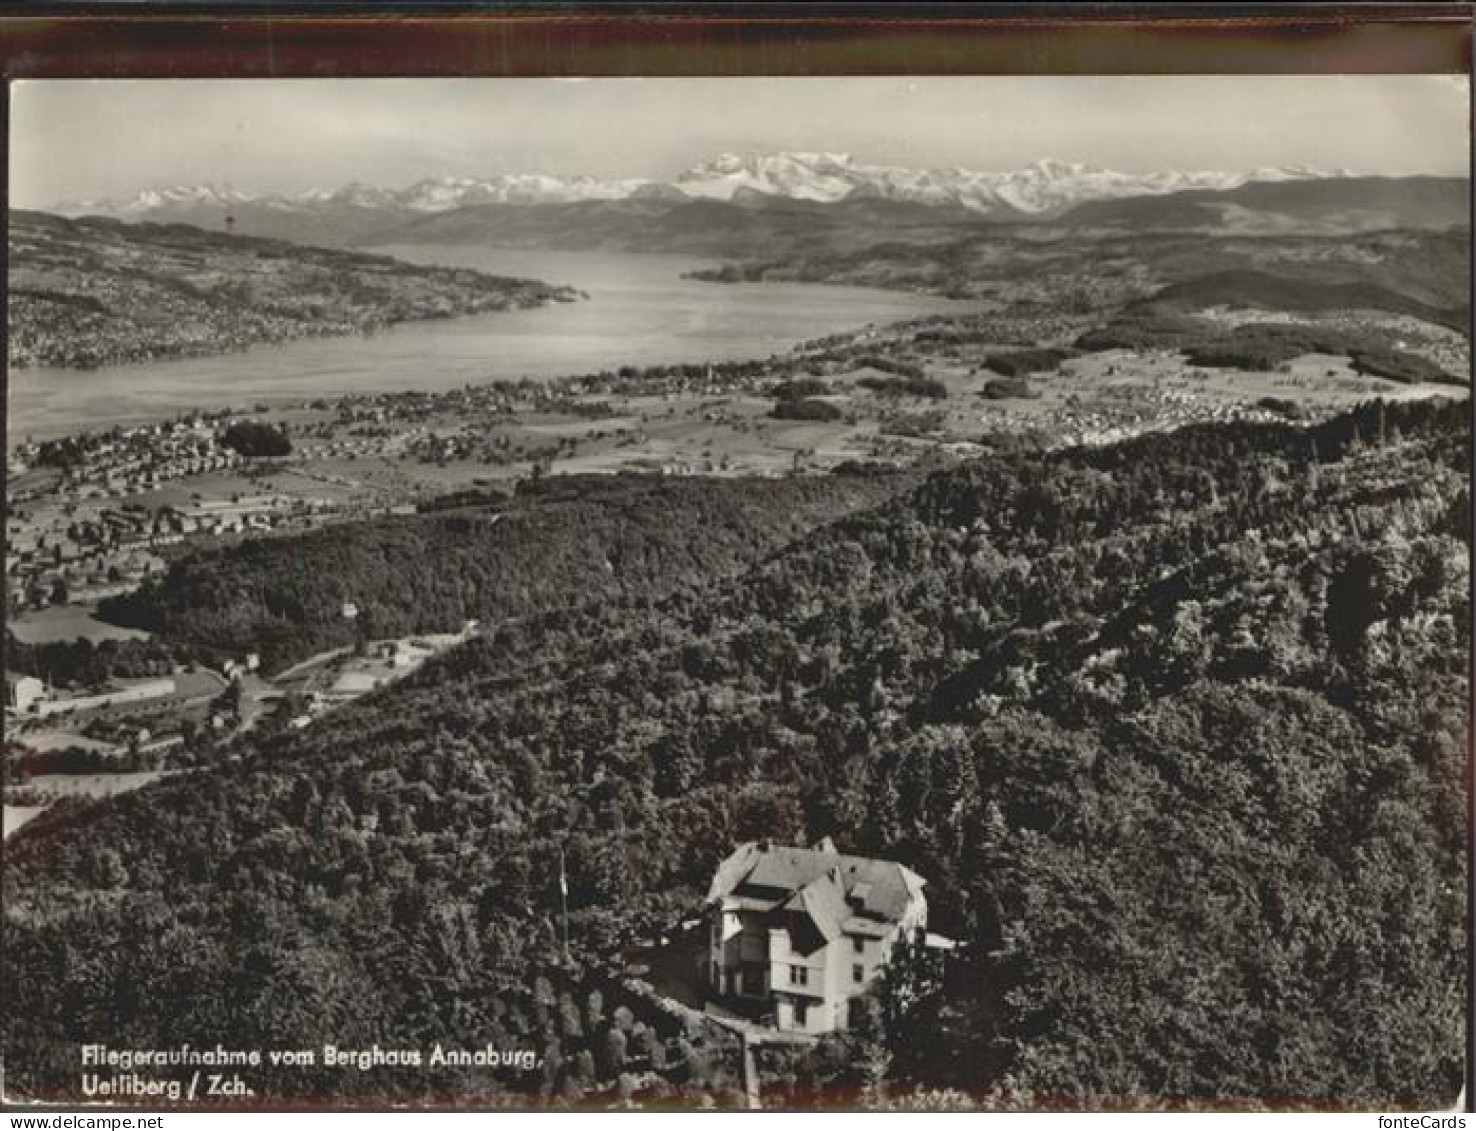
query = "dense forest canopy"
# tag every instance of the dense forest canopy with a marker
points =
(568, 539)
(1174, 729)
(255, 439)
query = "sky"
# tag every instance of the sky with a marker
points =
(90, 139)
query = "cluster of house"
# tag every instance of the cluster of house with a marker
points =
(110, 551)
(343, 676)
(125, 716)
(1104, 424)
(30, 698)
(243, 514)
(132, 459)
(236, 669)
(434, 447)
(48, 570)
(156, 322)
(373, 446)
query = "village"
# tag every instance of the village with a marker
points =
(78, 743)
(94, 516)
(91, 512)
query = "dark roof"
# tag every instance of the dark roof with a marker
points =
(838, 893)
(824, 901)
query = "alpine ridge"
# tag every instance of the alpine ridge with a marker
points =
(1047, 187)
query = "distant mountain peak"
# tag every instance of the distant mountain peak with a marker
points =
(1047, 187)
(1054, 167)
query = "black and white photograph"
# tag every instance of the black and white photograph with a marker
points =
(867, 592)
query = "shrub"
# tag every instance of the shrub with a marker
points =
(890, 365)
(1008, 388)
(1396, 365)
(928, 387)
(1017, 363)
(1289, 409)
(798, 388)
(808, 408)
(252, 438)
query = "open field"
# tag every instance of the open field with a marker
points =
(92, 785)
(68, 622)
(15, 817)
(1094, 398)
(51, 788)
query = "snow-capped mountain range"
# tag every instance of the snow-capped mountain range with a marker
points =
(1048, 186)
(1045, 188)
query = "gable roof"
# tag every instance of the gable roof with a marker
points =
(838, 893)
(824, 901)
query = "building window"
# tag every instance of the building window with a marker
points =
(799, 976)
(858, 944)
(858, 973)
(801, 1012)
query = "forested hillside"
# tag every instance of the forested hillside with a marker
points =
(567, 541)
(1344, 204)
(1087, 270)
(89, 292)
(1174, 729)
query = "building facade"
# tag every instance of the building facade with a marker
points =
(123, 692)
(796, 933)
(23, 691)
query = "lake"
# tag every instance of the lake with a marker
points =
(640, 311)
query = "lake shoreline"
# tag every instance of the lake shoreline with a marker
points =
(640, 312)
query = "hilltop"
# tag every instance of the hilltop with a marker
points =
(95, 291)
(1098, 273)
(748, 224)
(1106, 700)
(1326, 205)
(568, 539)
